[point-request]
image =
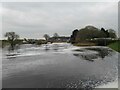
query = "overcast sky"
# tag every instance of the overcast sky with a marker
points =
(33, 20)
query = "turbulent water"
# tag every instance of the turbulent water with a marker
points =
(59, 65)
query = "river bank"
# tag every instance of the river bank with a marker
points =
(115, 46)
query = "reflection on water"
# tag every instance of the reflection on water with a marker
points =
(47, 47)
(100, 52)
(87, 57)
(58, 66)
(12, 49)
(55, 47)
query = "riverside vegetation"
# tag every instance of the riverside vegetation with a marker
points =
(88, 36)
(115, 46)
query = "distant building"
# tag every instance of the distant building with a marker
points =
(59, 39)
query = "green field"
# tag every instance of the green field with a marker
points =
(115, 46)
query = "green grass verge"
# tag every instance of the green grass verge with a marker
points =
(85, 44)
(115, 46)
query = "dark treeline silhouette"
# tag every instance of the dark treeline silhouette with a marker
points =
(34, 41)
(74, 35)
(92, 34)
(12, 39)
(89, 34)
(56, 38)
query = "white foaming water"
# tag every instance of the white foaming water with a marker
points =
(109, 85)
(53, 48)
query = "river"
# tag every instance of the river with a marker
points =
(59, 65)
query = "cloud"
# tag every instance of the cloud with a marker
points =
(33, 20)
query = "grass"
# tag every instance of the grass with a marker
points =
(85, 44)
(115, 46)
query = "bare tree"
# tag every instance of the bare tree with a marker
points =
(12, 38)
(55, 35)
(46, 36)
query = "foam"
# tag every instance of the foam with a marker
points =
(109, 85)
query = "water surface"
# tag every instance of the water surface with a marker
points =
(59, 65)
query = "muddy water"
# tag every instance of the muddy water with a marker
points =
(59, 65)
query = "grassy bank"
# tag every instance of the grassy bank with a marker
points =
(85, 44)
(115, 46)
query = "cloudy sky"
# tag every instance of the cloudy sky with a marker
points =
(33, 20)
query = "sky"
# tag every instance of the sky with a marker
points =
(34, 19)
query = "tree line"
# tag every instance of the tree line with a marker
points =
(91, 32)
(78, 35)
(13, 39)
(47, 37)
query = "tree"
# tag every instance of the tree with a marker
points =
(12, 37)
(73, 36)
(89, 32)
(112, 33)
(102, 29)
(55, 35)
(46, 36)
(106, 32)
